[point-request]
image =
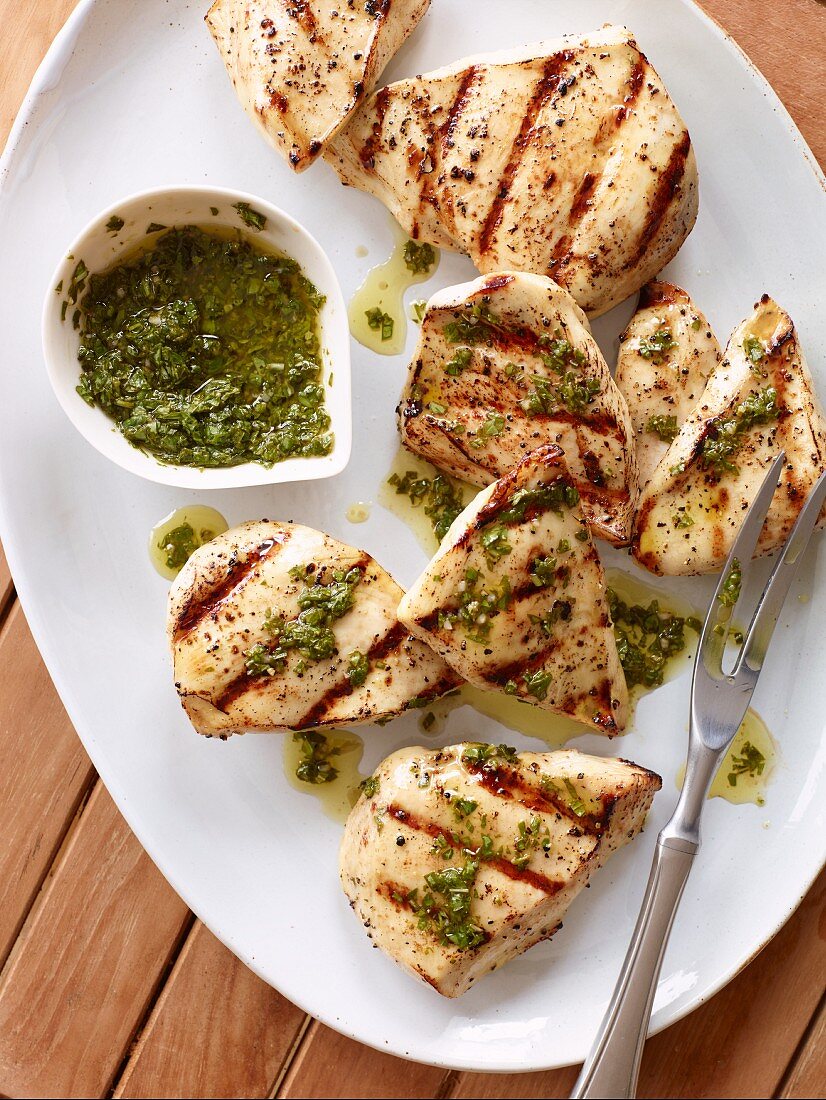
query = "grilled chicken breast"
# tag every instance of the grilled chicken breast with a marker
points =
(515, 598)
(524, 832)
(566, 158)
(505, 364)
(274, 626)
(760, 400)
(666, 354)
(300, 67)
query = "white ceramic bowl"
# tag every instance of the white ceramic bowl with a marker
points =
(100, 248)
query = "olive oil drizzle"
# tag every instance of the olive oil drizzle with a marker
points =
(180, 533)
(338, 795)
(383, 290)
(735, 781)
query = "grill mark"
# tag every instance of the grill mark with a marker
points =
(544, 89)
(400, 897)
(199, 607)
(367, 153)
(500, 674)
(243, 684)
(380, 649)
(508, 783)
(634, 87)
(660, 294)
(583, 198)
(667, 186)
(431, 828)
(301, 11)
(448, 127)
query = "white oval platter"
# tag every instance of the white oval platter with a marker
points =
(134, 96)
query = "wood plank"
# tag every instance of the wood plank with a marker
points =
(88, 962)
(787, 43)
(44, 774)
(330, 1065)
(806, 1076)
(34, 25)
(6, 586)
(731, 1046)
(216, 1030)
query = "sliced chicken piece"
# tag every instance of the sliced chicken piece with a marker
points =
(666, 354)
(505, 364)
(515, 598)
(566, 158)
(524, 833)
(274, 626)
(760, 400)
(300, 67)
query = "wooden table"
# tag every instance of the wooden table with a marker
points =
(110, 986)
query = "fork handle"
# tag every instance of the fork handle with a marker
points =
(612, 1067)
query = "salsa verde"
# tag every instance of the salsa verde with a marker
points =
(204, 350)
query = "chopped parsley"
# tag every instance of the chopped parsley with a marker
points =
(572, 392)
(655, 347)
(474, 326)
(728, 434)
(531, 836)
(482, 755)
(442, 498)
(476, 607)
(750, 762)
(458, 362)
(310, 633)
(419, 258)
(463, 807)
(561, 611)
(154, 227)
(730, 592)
(417, 310)
(445, 906)
(663, 427)
(754, 349)
(495, 544)
(537, 683)
(250, 217)
(205, 352)
(369, 786)
(115, 224)
(492, 427)
(358, 667)
(551, 497)
(558, 354)
(682, 519)
(647, 638)
(315, 765)
(543, 572)
(574, 801)
(378, 320)
(181, 542)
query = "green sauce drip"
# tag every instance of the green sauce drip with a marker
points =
(442, 498)
(315, 765)
(647, 638)
(205, 352)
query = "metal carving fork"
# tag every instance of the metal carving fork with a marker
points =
(719, 702)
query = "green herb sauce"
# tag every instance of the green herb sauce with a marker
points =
(310, 633)
(663, 427)
(204, 350)
(655, 347)
(647, 638)
(442, 499)
(728, 434)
